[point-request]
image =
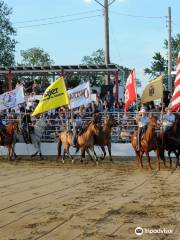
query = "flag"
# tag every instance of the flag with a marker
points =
(80, 95)
(54, 96)
(153, 90)
(130, 90)
(12, 98)
(176, 94)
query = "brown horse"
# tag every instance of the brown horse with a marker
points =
(84, 140)
(148, 142)
(104, 137)
(7, 140)
(171, 142)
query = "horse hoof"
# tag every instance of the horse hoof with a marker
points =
(72, 161)
(62, 161)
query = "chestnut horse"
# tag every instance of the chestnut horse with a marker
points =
(104, 137)
(148, 142)
(84, 140)
(8, 139)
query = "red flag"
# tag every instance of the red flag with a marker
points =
(176, 94)
(130, 90)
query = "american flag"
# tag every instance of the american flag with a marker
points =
(176, 94)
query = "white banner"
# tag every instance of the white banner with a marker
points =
(80, 95)
(12, 98)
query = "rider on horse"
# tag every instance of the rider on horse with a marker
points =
(142, 121)
(27, 126)
(168, 120)
(77, 127)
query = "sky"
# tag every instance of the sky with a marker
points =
(71, 29)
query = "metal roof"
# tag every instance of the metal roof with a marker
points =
(56, 69)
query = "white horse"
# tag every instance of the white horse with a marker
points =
(36, 136)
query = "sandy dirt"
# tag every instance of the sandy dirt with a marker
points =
(40, 200)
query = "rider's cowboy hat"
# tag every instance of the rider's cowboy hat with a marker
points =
(168, 108)
(142, 110)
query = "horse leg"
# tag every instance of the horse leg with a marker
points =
(9, 153)
(170, 159)
(88, 152)
(109, 150)
(58, 150)
(82, 154)
(34, 155)
(149, 160)
(94, 155)
(140, 155)
(104, 152)
(158, 159)
(177, 163)
(177, 158)
(68, 153)
(137, 156)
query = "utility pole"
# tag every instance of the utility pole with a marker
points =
(105, 6)
(106, 35)
(169, 52)
(106, 31)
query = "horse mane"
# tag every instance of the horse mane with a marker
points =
(85, 129)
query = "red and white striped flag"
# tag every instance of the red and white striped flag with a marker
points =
(130, 90)
(176, 94)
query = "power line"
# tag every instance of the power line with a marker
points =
(50, 18)
(64, 21)
(138, 16)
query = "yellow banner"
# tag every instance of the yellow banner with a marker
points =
(153, 91)
(54, 96)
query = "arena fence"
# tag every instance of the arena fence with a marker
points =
(120, 134)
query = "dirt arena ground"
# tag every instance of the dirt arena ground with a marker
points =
(40, 200)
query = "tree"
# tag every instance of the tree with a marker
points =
(175, 43)
(160, 64)
(35, 57)
(96, 57)
(7, 42)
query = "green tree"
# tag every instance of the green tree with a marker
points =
(175, 49)
(96, 57)
(159, 64)
(7, 42)
(35, 57)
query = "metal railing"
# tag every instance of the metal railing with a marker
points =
(121, 133)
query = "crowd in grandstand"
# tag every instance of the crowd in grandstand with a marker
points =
(63, 117)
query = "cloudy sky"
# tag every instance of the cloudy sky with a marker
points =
(70, 29)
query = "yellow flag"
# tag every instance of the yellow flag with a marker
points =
(54, 96)
(153, 91)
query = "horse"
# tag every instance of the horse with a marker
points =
(84, 140)
(104, 137)
(148, 142)
(8, 139)
(171, 142)
(36, 136)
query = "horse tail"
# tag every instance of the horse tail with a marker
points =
(59, 146)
